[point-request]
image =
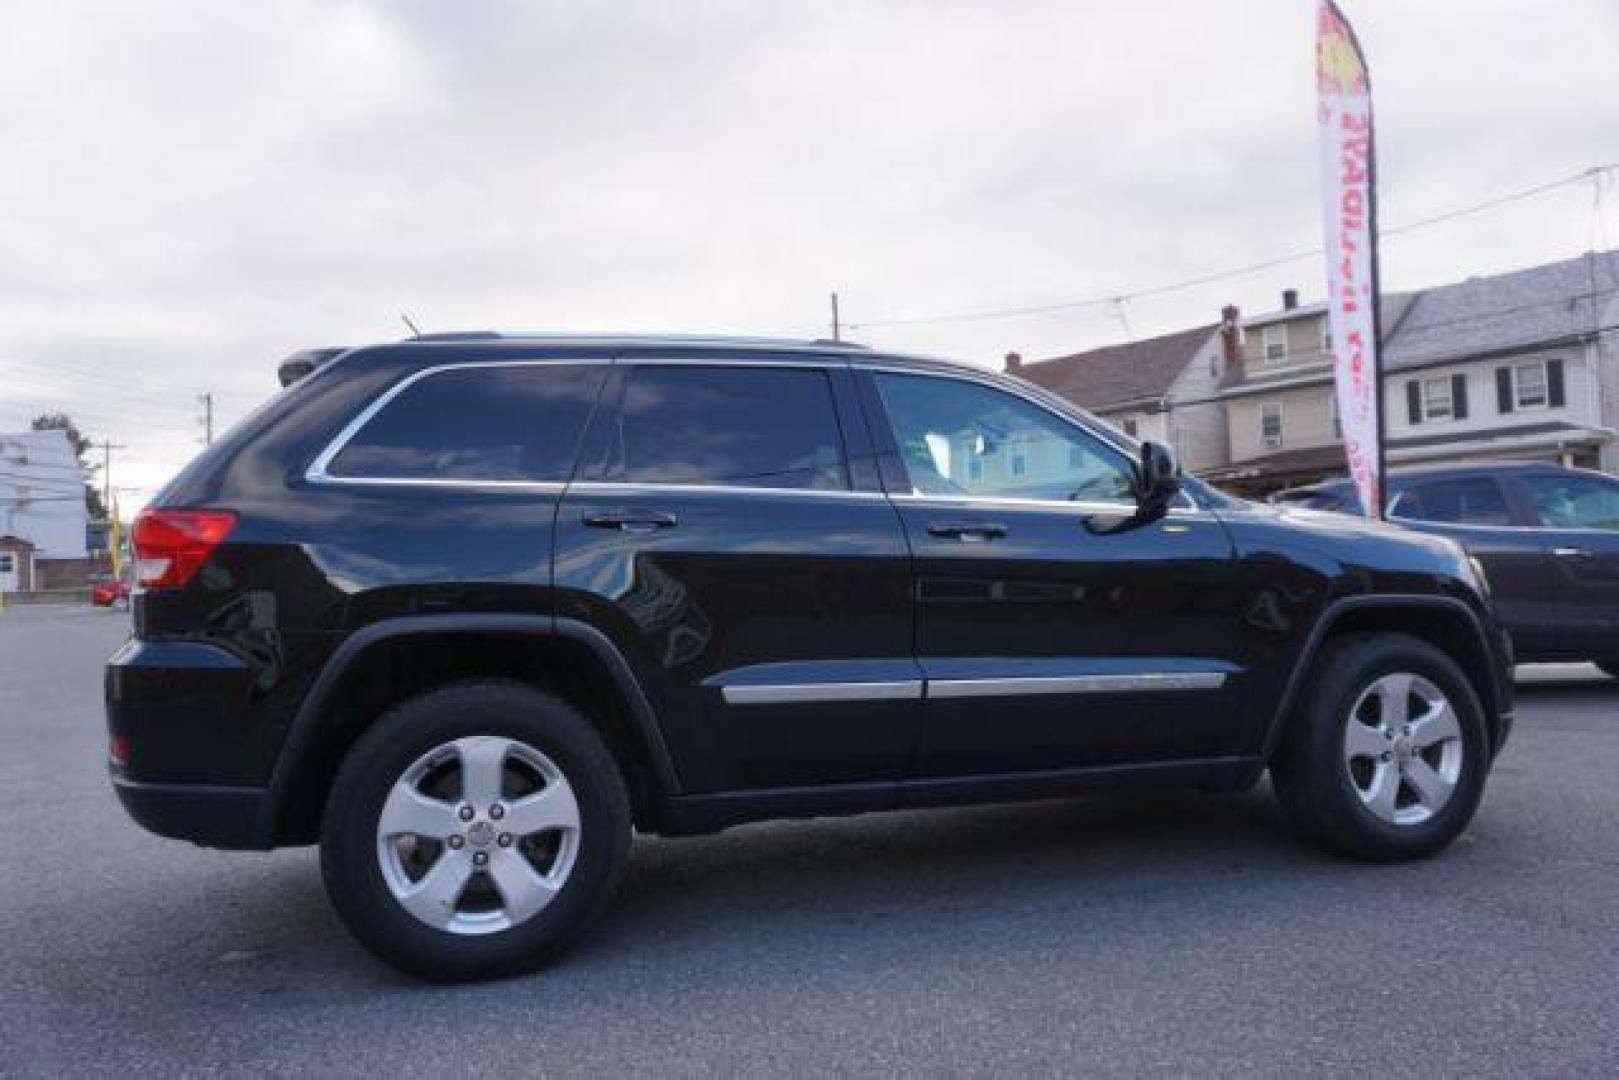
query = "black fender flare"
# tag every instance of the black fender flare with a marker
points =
(304, 725)
(1336, 610)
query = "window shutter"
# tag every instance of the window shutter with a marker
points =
(1554, 383)
(1413, 401)
(1503, 390)
(1458, 396)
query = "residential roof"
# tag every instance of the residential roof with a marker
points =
(1504, 311)
(1115, 374)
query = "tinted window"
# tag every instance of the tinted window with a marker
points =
(1460, 502)
(477, 423)
(736, 427)
(963, 438)
(1574, 502)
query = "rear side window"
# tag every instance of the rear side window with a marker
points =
(734, 427)
(477, 423)
(1456, 502)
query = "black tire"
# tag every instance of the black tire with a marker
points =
(351, 867)
(1313, 780)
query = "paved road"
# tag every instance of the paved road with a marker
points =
(1122, 935)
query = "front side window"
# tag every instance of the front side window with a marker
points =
(749, 427)
(962, 438)
(1270, 425)
(1476, 501)
(1530, 380)
(480, 423)
(1575, 502)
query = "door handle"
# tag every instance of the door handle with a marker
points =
(632, 521)
(971, 532)
(1571, 553)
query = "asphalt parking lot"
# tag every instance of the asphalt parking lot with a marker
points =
(1182, 934)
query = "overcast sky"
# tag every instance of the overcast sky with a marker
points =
(192, 190)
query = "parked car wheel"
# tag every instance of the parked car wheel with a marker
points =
(1386, 755)
(474, 830)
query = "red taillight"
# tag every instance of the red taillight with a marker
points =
(171, 545)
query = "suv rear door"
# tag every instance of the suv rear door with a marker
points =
(727, 530)
(1048, 642)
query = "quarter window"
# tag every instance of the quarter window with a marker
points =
(1575, 502)
(962, 438)
(751, 427)
(1458, 502)
(503, 423)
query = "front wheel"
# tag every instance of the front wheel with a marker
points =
(473, 830)
(1386, 756)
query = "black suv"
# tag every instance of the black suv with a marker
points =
(1547, 537)
(468, 609)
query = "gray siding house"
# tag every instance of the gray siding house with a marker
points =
(1164, 388)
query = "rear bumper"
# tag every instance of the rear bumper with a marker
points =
(185, 761)
(218, 817)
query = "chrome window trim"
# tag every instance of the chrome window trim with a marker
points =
(609, 487)
(795, 693)
(319, 472)
(1075, 684)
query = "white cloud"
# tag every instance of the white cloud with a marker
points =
(192, 190)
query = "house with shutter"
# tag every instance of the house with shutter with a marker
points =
(1515, 366)
(1518, 366)
(1280, 409)
(1162, 388)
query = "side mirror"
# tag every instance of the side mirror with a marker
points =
(1159, 478)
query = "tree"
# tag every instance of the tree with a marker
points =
(61, 421)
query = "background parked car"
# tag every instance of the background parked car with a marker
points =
(1548, 538)
(110, 593)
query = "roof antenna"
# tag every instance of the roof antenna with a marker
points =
(413, 331)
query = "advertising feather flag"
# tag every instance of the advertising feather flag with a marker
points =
(1349, 212)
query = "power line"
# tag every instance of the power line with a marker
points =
(1117, 299)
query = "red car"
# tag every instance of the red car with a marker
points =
(110, 594)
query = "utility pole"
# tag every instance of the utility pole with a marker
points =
(837, 325)
(206, 400)
(107, 447)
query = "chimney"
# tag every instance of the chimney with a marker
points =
(1290, 299)
(1014, 363)
(1231, 336)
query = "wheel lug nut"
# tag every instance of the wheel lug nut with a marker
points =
(504, 839)
(455, 842)
(465, 813)
(479, 858)
(496, 812)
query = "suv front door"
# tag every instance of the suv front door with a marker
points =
(1051, 637)
(737, 548)
(1579, 518)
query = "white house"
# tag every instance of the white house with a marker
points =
(43, 520)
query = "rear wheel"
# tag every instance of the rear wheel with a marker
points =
(474, 830)
(1386, 757)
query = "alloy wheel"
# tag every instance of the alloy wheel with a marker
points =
(1403, 748)
(478, 835)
